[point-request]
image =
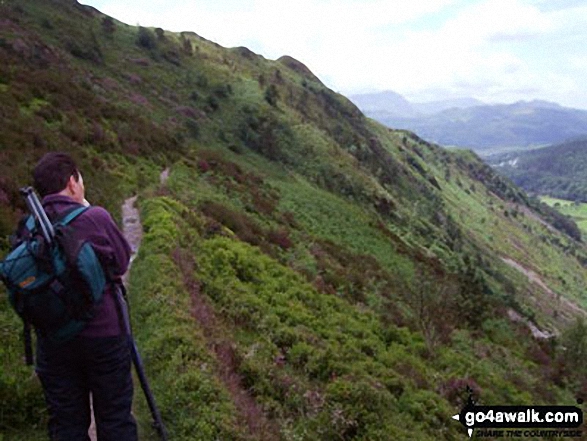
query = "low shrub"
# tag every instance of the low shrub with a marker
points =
(183, 374)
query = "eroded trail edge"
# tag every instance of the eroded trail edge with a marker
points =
(250, 414)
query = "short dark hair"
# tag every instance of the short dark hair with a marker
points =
(53, 171)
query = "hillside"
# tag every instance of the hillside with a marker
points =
(305, 272)
(486, 128)
(558, 171)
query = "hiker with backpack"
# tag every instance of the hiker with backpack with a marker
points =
(96, 359)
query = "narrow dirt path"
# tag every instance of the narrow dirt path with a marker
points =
(133, 232)
(536, 332)
(250, 414)
(92, 431)
(567, 308)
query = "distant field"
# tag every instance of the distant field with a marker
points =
(578, 211)
(490, 151)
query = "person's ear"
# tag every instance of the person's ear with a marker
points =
(71, 185)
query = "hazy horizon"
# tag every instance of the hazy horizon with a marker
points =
(458, 98)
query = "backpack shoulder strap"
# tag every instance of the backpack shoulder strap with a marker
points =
(71, 215)
(24, 230)
(69, 241)
(29, 222)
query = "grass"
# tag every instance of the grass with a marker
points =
(577, 211)
(23, 415)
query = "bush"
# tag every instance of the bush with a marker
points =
(271, 95)
(193, 128)
(146, 38)
(354, 405)
(574, 340)
(242, 225)
(86, 50)
(108, 25)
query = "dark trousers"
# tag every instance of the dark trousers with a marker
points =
(69, 372)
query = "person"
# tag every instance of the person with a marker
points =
(98, 360)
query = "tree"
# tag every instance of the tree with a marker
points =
(574, 342)
(108, 25)
(432, 302)
(474, 301)
(187, 46)
(271, 95)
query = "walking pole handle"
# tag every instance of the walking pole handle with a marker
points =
(36, 209)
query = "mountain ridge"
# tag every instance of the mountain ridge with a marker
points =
(393, 104)
(485, 128)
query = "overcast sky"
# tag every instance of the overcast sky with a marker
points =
(493, 50)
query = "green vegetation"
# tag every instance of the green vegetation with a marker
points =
(20, 392)
(576, 210)
(305, 273)
(177, 360)
(557, 171)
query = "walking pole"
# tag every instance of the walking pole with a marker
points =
(36, 209)
(28, 344)
(136, 359)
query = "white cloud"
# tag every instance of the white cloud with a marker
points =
(453, 53)
(493, 50)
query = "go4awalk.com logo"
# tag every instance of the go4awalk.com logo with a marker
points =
(521, 421)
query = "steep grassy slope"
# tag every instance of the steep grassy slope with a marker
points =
(305, 273)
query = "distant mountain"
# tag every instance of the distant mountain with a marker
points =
(483, 128)
(521, 124)
(385, 103)
(559, 170)
(439, 106)
(391, 104)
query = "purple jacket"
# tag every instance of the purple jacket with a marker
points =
(98, 228)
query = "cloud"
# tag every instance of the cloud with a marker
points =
(514, 37)
(491, 50)
(557, 5)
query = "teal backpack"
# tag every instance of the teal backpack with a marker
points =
(54, 280)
